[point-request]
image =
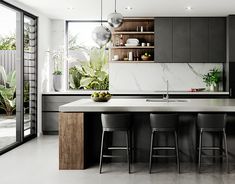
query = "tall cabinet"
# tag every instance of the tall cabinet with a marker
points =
(231, 54)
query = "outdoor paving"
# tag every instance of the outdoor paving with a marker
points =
(7, 131)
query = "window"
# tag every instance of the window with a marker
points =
(87, 63)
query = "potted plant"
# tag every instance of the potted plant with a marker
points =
(212, 79)
(57, 58)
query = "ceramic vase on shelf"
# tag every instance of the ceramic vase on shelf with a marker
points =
(57, 82)
(214, 87)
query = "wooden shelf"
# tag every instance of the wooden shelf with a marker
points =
(132, 32)
(128, 30)
(134, 47)
(132, 62)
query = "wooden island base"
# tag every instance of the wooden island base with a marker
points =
(71, 142)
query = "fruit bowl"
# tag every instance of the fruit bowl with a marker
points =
(101, 96)
(145, 58)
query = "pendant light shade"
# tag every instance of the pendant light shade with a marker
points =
(101, 34)
(115, 19)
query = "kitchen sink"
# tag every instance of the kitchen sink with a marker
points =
(167, 100)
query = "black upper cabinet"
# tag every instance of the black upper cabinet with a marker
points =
(181, 40)
(217, 40)
(199, 40)
(193, 40)
(231, 37)
(163, 39)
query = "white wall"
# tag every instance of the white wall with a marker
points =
(44, 36)
(58, 41)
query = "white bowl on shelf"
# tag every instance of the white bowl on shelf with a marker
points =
(131, 45)
(132, 41)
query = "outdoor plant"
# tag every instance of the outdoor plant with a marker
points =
(75, 78)
(213, 77)
(8, 42)
(7, 91)
(92, 74)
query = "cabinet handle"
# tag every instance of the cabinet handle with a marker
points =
(230, 92)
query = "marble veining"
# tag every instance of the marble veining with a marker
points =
(153, 76)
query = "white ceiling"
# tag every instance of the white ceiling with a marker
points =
(90, 9)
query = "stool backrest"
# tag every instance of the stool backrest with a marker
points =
(116, 120)
(164, 120)
(211, 120)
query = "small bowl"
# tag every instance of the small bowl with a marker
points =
(101, 99)
(145, 58)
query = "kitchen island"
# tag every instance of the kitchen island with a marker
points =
(80, 126)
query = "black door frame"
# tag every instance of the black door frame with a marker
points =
(20, 139)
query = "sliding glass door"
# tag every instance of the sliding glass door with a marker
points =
(18, 76)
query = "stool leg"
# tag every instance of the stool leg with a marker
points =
(101, 151)
(128, 151)
(130, 144)
(151, 152)
(177, 151)
(226, 150)
(200, 151)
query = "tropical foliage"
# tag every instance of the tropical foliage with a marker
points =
(8, 43)
(92, 74)
(7, 91)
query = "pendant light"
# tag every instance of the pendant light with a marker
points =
(115, 19)
(101, 34)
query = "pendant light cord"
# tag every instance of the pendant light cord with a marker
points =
(101, 14)
(115, 7)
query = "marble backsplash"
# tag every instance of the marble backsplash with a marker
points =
(152, 76)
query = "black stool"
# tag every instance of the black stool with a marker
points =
(212, 123)
(113, 123)
(164, 123)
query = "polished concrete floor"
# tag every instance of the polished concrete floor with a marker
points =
(36, 162)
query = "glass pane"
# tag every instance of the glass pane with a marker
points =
(7, 76)
(87, 63)
(30, 84)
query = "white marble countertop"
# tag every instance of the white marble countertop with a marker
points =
(89, 92)
(141, 105)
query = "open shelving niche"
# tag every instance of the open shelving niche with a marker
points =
(128, 29)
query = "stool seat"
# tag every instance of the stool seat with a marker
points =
(115, 122)
(212, 123)
(164, 123)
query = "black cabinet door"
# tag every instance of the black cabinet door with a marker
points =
(199, 40)
(217, 40)
(181, 40)
(231, 38)
(163, 39)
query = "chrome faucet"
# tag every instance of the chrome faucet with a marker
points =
(167, 91)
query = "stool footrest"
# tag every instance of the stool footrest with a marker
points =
(163, 156)
(164, 148)
(112, 156)
(211, 148)
(117, 148)
(213, 156)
